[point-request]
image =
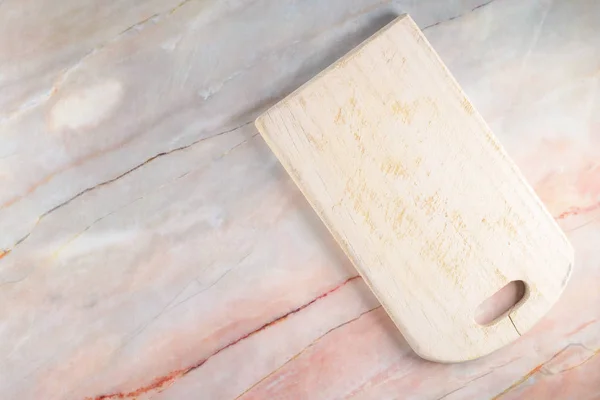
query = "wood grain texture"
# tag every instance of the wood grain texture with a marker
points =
(420, 195)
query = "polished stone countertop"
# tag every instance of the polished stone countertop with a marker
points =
(151, 246)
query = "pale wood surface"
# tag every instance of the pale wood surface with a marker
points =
(168, 255)
(419, 194)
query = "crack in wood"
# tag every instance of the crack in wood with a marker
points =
(513, 324)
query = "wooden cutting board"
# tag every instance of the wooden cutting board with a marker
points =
(419, 193)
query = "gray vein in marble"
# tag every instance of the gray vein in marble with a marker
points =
(149, 160)
(138, 331)
(204, 289)
(583, 225)
(458, 16)
(137, 26)
(214, 87)
(466, 384)
(97, 220)
(311, 344)
(492, 370)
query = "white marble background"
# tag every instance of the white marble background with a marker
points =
(152, 246)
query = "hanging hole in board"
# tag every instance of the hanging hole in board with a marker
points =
(500, 303)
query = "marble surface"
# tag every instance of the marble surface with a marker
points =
(151, 246)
